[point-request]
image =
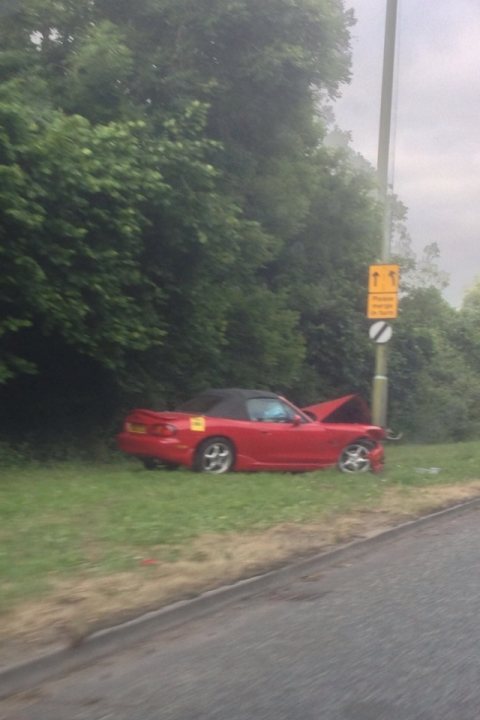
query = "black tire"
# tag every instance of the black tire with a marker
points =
(354, 458)
(150, 463)
(216, 456)
(155, 464)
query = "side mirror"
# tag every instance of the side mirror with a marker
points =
(297, 420)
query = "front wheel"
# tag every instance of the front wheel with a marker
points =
(215, 455)
(355, 458)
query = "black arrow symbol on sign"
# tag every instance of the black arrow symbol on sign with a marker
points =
(375, 276)
(393, 277)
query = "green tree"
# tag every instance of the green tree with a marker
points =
(325, 267)
(169, 210)
(434, 386)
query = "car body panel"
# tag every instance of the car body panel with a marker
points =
(347, 409)
(300, 443)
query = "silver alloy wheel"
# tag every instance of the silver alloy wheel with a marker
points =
(354, 458)
(216, 456)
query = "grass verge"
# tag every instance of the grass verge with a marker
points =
(80, 543)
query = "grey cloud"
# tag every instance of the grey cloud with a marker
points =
(437, 148)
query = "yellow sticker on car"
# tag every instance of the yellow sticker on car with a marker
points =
(197, 424)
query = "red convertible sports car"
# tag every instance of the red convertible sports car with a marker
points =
(234, 429)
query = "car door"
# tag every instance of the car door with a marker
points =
(280, 436)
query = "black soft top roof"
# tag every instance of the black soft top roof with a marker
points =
(225, 403)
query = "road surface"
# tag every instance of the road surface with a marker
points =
(390, 633)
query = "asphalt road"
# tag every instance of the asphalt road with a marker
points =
(390, 633)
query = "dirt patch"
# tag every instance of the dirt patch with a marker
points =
(77, 607)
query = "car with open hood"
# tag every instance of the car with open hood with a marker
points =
(243, 430)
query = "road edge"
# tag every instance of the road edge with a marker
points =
(31, 673)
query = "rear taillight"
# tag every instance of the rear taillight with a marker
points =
(163, 430)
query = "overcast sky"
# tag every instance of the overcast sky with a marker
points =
(437, 121)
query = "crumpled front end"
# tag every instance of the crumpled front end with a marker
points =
(351, 409)
(350, 417)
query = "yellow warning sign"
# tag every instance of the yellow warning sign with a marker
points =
(383, 278)
(197, 424)
(382, 306)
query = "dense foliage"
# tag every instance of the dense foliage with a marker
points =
(171, 218)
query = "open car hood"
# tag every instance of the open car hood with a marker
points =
(347, 409)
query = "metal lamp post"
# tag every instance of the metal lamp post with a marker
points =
(380, 380)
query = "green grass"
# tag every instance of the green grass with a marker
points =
(78, 519)
(456, 462)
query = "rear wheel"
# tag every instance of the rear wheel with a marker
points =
(215, 455)
(355, 458)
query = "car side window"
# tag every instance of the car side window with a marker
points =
(269, 410)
